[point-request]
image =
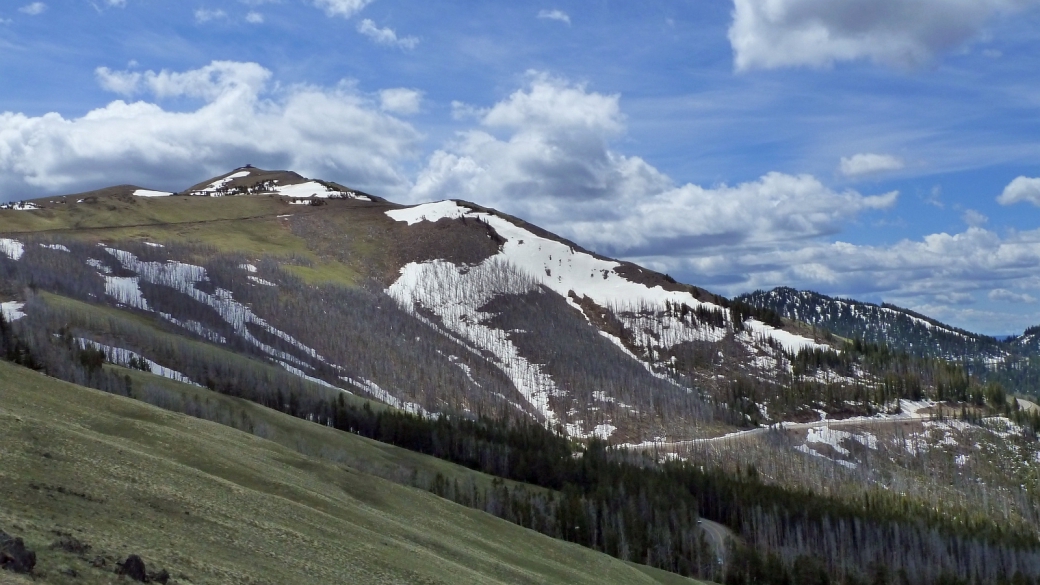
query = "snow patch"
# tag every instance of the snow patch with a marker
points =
(20, 206)
(12, 311)
(57, 247)
(13, 249)
(147, 193)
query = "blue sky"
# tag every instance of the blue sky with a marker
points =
(881, 149)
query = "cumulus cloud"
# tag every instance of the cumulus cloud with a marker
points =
(335, 133)
(545, 153)
(400, 100)
(1002, 294)
(769, 34)
(869, 164)
(254, 17)
(385, 36)
(34, 9)
(555, 15)
(974, 218)
(936, 270)
(206, 15)
(1019, 190)
(344, 8)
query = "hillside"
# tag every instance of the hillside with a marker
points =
(214, 505)
(514, 357)
(1014, 362)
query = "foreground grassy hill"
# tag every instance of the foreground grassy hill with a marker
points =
(212, 504)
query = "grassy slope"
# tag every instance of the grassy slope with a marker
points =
(229, 224)
(215, 505)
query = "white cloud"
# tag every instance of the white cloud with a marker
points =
(1002, 294)
(254, 17)
(555, 15)
(1021, 189)
(385, 36)
(974, 218)
(116, 3)
(344, 8)
(544, 153)
(768, 34)
(868, 164)
(34, 9)
(206, 15)
(334, 133)
(216, 80)
(400, 100)
(936, 270)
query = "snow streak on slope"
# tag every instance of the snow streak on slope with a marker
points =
(182, 277)
(124, 357)
(455, 294)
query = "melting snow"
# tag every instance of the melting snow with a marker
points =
(830, 437)
(562, 269)
(384, 396)
(182, 277)
(792, 343)
(12, 310)
(261, 281)
(20, 206)
(454, 293)
(123, 357)
(58, 247)
(315, 189)
(13, 249)
(99, 266)
(147, 193)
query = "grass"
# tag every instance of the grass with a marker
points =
(215, 505)
(249, 225)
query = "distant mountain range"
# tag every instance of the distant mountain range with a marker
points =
(1012, 361)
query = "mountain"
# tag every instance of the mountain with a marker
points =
(505, 315)
(1013, 362)
(460, 332)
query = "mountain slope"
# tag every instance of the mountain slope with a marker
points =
(211, 504)
(289, 281)
(1013, 362)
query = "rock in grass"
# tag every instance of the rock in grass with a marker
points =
(14, 556)
(133, 567)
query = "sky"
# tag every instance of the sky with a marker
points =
(883, 150)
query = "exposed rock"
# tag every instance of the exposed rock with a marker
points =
(133, 567)
(14, 556)
(69, 543)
